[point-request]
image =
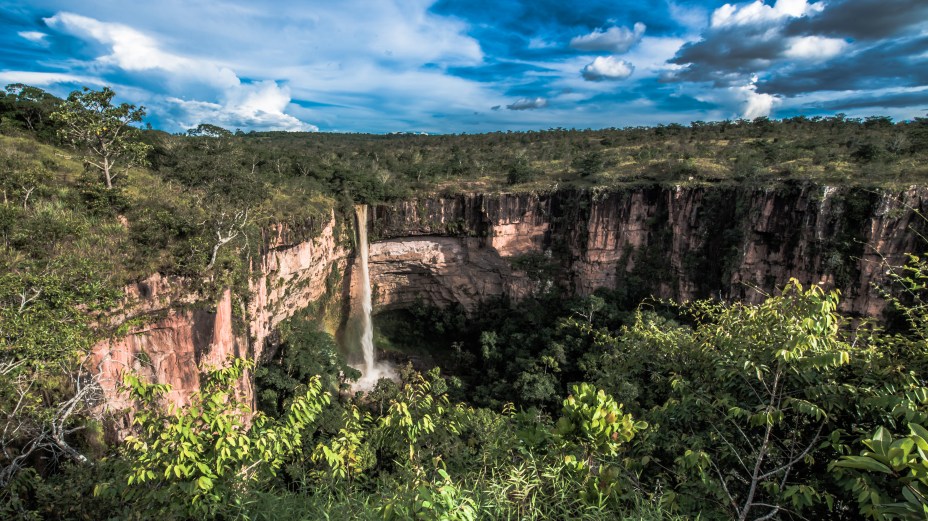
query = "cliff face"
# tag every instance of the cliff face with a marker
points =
(180, 337)
(680, 243)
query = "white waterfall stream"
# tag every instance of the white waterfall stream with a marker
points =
(371, 371)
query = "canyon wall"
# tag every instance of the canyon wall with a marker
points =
(673, 242)
(178, 335)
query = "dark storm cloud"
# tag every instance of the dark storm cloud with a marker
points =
(728, 54)
(863, 19)
(874, 44)
(892, 63)
(904, 99)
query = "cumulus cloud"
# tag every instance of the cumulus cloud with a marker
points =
(528, 104)
(742, 101)
(760, 13)
(614, 39)
(134, 51)
(607, 68)
(743, 40)
(901, 63)
(865, 19)
(258, 105)
(814, 47)
(755, 104)
(798, 47)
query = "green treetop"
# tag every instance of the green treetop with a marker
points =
(92, 123)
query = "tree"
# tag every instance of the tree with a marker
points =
(31, 105)
(91, 122)
(195, 461)
(747, 400)
(209, 130)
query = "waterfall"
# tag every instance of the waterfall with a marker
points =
(367, 325)
(371, 371)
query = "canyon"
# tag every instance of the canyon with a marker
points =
(675, 242)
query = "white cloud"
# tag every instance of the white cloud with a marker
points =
(44, 79)
(614, 39)
(135, 51)
(540, 43)
(33, 36)
(382, 62)
(528, 104)
(754, 104)
(760, 13)
(607, 68)
(814, 47)
(741, 101)
(258, 105)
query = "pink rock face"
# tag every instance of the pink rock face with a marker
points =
(290, 278)
(441, 270)
(190, 338)
(172, 350)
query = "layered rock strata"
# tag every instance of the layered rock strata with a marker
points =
(681, 243)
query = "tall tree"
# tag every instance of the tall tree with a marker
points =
(92, 123)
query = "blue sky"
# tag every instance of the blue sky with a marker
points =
(451, 66)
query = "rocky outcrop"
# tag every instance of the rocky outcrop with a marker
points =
(441, 270)
(172, 349)
(292, 275)
(179, 335)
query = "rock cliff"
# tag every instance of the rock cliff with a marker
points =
(179, 336)
(673, 242)
(676, 242)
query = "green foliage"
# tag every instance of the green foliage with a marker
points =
(747, 401)
(346, 454)
(23, 107)
(304, 352)
(890, 479)
(411, 419)
(593, 420)
(521, 172)
(90, 122)
(205, 458)
(45, 314)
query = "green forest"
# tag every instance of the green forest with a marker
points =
(610, 406)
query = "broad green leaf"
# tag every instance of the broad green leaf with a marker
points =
(863, 463)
